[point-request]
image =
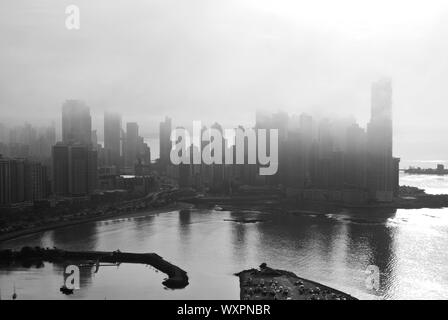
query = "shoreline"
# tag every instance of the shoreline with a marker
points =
(58, 225)
(417, 202)
(237, 202)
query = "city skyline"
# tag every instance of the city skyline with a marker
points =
(311, 157)
(7, 132)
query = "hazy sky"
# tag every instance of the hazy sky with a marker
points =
(220, 60)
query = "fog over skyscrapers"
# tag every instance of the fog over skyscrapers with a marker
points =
(75, 162)
(76, 123)
(381, 164)
(319, 159)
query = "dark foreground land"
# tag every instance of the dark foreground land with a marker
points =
(271, 284)
(177, 278)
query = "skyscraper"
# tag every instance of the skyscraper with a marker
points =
(381, 180)
(112, 136)
(60, 169)
(355, 174)
(5, 181)
(75, 163)
(74, 169)
(21, 180)
(165, 141)
(131, 144)
(2, 133)
(76, 122)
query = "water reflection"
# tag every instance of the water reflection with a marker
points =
(333, 246)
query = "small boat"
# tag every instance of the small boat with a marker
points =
(66, 290)
(14, 295)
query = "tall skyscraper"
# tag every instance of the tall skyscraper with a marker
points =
(21, 180)
(35, 181)
(5, 181)
(94, 140)
(76, 123)
(60, 169)
(381, 171)
(75, 162)
(2, 133)
(355, 174)
(112, 139)
(165, 141)
(131, 144)
(74, 169)
(306, 143)
(18, 184)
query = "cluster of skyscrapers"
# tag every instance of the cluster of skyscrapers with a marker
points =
(79, 161)
(33, 166)
(318, 158)
(24, 162)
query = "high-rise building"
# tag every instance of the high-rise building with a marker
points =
(5, 181)
(355, 168)
(131, 144)
(76, 123)
(78, 170)
(46, 138)
(35, 181)
(3, 138)
(75, 160)
(94, 140)
(21, 180)
(112, 139)
(165, 141)
(381, 180)
(74, 170)
(30, 142)
(306, 143)
(18, 185)
(143, 152)
(60, 169)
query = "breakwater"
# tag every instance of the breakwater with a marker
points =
(177, 278)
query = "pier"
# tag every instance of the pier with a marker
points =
(177, 278)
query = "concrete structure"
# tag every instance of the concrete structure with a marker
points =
(112, 139)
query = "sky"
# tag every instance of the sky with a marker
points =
(220, 60)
